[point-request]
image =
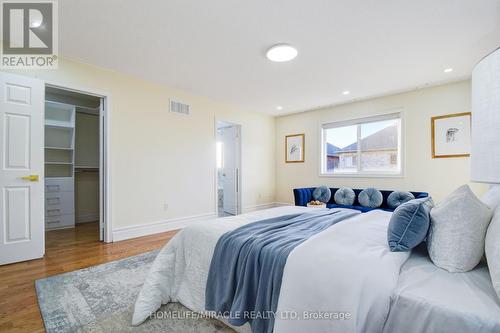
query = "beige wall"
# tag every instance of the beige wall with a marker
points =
(87, 155)
(422, 173)
(87, 140)
(158, 157)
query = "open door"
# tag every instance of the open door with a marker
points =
(21, 163)
(102, 167)
(230, 173)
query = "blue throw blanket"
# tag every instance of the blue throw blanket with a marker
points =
(244, 279)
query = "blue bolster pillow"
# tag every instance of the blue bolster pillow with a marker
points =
(370, 197)
(322, 194)
(398, 198)
(345, 196)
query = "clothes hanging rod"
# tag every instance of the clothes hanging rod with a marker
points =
(85, 167)
(86, 170)
(76, 105)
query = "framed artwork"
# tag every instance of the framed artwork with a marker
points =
(294, 148)
(451, 135)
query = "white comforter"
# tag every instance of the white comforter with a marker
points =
(346, 269)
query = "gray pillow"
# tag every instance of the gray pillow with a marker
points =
(492, 197)
(322, 193)
(398, 198)
(492, 247)
(409, 224)
(370, 197)
(457, 232)
(345, 196)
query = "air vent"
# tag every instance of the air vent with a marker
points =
(179, 107)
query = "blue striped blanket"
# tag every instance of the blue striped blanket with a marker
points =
(247, 266)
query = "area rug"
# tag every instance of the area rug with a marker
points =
(101, 299)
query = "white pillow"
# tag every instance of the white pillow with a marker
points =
(492, 247)
(457, 232)
(492, 197)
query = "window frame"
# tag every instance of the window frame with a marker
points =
(358, 121)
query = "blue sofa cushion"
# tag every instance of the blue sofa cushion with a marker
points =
(322, 194)
(398, 198)
(304, 195)
(371, 197)
(409, 224)
(345, 196)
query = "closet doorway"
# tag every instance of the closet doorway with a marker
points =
(228, 159)
(74, 162)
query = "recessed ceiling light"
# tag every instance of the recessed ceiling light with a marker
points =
(279, 108)
(448, 70)
(281, 53)
(346, 92)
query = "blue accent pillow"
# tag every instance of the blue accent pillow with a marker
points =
(398, 198)
(344, 196)
(322, 194)
(409, 224)
(371, 197)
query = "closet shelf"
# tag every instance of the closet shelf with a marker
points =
(58, 163)
(59, 125)
(59, 148)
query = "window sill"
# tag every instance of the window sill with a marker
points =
(362, 175)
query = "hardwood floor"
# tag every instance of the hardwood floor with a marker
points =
(66, 250)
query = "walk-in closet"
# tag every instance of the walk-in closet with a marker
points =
(72, 159)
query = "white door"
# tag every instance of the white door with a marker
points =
(101, 171)
(21, 164)
(230, 174)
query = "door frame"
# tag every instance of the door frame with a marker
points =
(239, 195)
(104, 151)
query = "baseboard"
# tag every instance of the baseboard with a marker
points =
(140, 230)
(84, 218)
(264, 206)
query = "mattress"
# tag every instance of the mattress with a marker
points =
(430, 299)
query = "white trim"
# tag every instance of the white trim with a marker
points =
(239, 195)
(253, 208)
(361, 120)
(140, 230)
(84, 218)
(361, 175)
(147, 229)
(392, 114)
(105, 144)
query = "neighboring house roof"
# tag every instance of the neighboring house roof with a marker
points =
(332, 150)
(384, 139)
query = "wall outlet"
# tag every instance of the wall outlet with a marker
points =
(165, 206)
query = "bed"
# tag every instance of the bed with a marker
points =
(430, 299)
(343, 279)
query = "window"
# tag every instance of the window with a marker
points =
(370, 146)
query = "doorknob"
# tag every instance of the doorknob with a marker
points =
(31, 178)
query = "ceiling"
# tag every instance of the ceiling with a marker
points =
(217, 48)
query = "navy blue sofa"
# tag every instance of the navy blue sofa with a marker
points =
(304, 195)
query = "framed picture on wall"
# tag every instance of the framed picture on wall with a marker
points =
(294, 148)
(451, 135)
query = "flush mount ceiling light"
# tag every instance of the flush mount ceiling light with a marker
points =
(448, 70)
(279, 108)
(347, 92)
(281, 53)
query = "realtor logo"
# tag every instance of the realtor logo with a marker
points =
(29, 34)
